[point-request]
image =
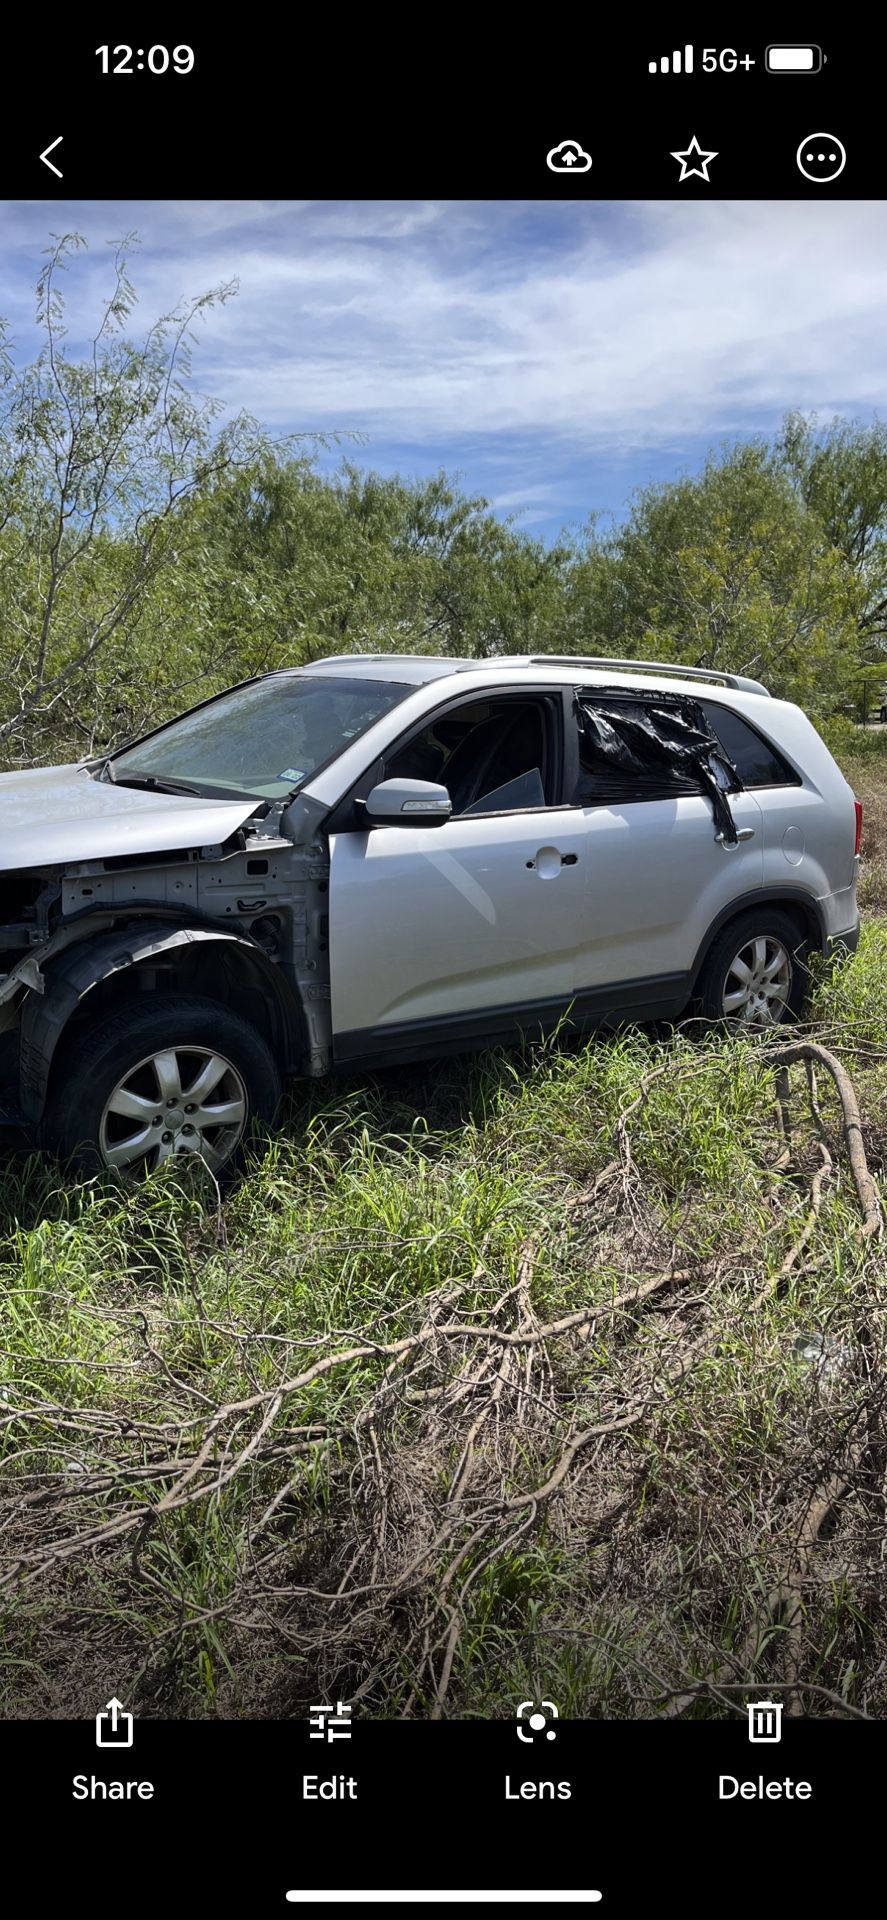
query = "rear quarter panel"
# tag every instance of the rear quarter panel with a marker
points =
(810, 828)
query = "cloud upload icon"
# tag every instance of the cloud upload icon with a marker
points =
(569, 157)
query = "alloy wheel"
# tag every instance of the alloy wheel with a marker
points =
(758, 982)
(182, 1100)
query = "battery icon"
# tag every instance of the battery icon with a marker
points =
(794, 59)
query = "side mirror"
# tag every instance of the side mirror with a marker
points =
(408, 803)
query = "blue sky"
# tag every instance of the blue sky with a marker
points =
(556, 355)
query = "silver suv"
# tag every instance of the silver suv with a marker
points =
(376, 859)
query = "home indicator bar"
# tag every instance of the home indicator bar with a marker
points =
(440, 1897)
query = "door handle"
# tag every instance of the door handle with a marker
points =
(549, 860)
(729, 846)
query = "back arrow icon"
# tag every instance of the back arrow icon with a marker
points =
(51, 149)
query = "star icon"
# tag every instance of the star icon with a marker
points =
(701, 160)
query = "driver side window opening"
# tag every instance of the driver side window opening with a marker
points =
(492, 755)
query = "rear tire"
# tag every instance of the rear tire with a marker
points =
(160, 1077)
(756, 973)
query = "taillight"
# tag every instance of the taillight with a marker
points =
(858, 805)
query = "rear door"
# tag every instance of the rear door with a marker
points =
(657, 875)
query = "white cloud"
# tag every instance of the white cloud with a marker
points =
(602, 326)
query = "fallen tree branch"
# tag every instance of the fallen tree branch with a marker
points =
(812, 1052)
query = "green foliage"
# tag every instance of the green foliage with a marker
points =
(151, 553)
(284, 565)
(847, 741)
(855, 996)
(728, 569)
(99, 457)
(840, 473)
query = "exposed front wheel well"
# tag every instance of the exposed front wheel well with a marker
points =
(223, 973)
(161, 1075)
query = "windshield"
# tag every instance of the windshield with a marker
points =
(261, 740)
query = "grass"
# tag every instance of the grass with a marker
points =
(371, 1533)
(873, 792)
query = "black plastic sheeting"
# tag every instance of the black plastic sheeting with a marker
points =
(643, 752)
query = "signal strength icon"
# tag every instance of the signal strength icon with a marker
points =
(676, 62)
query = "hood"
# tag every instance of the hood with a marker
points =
(56, 816)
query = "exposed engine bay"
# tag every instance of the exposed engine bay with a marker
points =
(246, 920)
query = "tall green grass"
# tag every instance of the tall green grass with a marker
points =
(156, 1305)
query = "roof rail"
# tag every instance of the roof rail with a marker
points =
(738, 681)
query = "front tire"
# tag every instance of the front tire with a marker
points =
(756, 974)
(164, 1076)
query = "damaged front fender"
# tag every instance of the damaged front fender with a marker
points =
(61, 982)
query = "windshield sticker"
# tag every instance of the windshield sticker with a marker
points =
(292, 773)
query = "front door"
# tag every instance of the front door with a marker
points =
(456, 931)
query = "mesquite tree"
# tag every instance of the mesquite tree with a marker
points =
(99, 454)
